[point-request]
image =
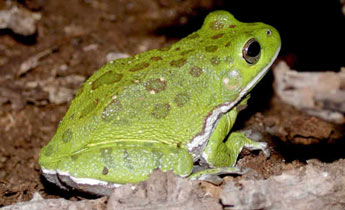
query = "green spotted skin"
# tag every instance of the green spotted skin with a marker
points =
(140, 113)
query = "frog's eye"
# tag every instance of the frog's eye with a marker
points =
(251, 51)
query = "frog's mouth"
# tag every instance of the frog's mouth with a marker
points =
(197, 145)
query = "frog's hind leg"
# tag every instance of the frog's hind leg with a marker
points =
(238, 140)
(122, 163)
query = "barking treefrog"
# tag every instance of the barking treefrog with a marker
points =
(170, 108)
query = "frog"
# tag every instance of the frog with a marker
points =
(168, 109)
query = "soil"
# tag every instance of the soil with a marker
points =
(75, 39)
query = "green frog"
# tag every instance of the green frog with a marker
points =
(169, 109)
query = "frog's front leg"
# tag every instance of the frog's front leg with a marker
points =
(221, 155)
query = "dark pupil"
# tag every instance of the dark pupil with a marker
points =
(253, 49)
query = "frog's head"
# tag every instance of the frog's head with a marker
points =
(249, 49)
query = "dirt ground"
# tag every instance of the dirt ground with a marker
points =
(40, 73)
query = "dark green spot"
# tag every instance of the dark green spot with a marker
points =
(48, 150)
(156, 58)
(161, 110)
(215, 60)
(193, 36)
(105, 171)
(112, 110)
(181, 99)
(195, 71)
(227, 44)
(186, 52)
(74, 157)
(216, 25)
(89, 107)
(177, 48)
(178, 63)
(67, 136)
(155, 85)
(211, 48)
(106, 78)
(139, 66)
(217, 36)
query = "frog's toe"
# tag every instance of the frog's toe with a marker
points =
(212, 174)
(258, 146)
(266, 151)
(214, 179)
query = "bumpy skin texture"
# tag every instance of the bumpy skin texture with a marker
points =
(162, 108)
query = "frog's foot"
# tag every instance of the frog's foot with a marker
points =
(238, 140)
(212, 174)
(252, 142)
(259, 146)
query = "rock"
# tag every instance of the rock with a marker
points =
(164, 191)
(20, 20)
(319, 94)
(38, 203)
(313, 187)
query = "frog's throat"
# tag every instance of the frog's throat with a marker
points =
(197, 145)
